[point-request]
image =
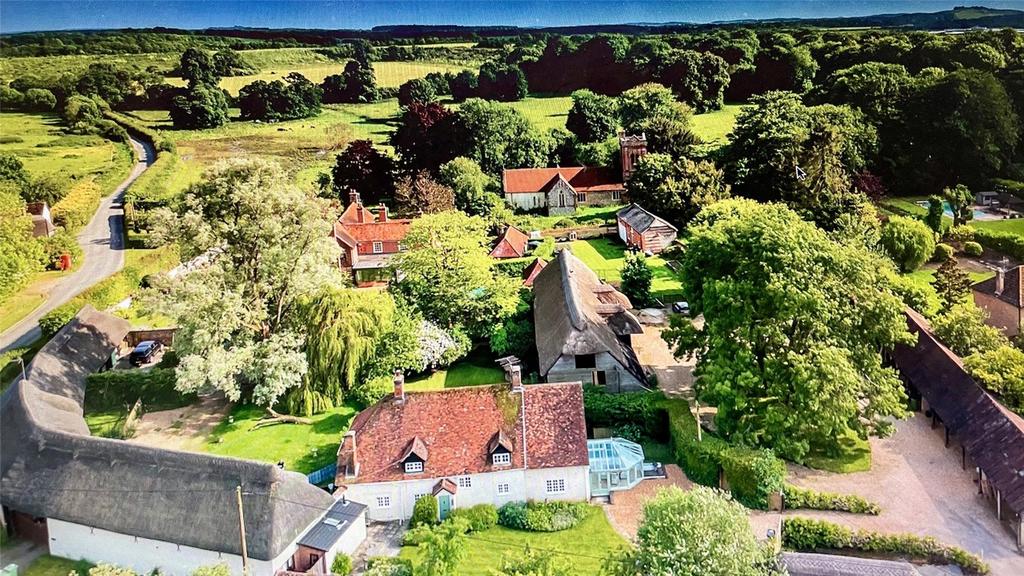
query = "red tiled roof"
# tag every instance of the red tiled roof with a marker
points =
(356, 213)
(457, 425)
(531, 271)
(581, 178)
(445, 485)
(511, 244)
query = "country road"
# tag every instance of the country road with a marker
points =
(102, 241)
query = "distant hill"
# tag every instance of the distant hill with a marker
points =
(959, 17)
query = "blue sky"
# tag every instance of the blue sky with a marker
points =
(27, 15)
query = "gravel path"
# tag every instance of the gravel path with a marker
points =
(102, 241)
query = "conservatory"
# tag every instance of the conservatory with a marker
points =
(615, 464)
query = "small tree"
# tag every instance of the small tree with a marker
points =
(951, 283)
(341, 565)
(935, 211)
(908, 242)
(424, 512)
(963, 329)
(471, 186)
(421, 194)
(959, 198)
(441, 547)
(416, 90)
(636, 279)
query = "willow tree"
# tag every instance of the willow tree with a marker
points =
(343, 329)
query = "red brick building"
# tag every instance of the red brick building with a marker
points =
(368, 241)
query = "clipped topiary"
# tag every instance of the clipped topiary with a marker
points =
(942, 252)
(972, 249)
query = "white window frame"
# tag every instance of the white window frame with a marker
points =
(378, 247)
(616, 195)
(416, 497)
(501, 459)
(503, 489)
(465, 481)
(383, 501)
(554, 486)
(414, 467)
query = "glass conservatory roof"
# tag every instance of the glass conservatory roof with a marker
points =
(611, 454)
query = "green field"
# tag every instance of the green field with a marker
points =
(585, 546)
(544, 112)
(40, 142)
(606, 256)
(712, 127)
(303, 447)
(53, 67)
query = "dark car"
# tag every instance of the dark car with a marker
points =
(144, 352)
(681, 308)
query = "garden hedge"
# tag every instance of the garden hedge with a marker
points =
(806, 534)
(617, 410)
(1010, 244)
(480, 517)
(116, 389)
(796, 497)
(543, 516)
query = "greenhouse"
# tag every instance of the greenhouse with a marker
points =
(615, 464)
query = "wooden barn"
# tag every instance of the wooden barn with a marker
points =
(640, 229)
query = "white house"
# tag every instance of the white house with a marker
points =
(467, 446)
(142, 507)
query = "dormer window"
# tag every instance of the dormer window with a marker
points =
(378, 247)
(500, 449)
(413, 467)
(415, 456)
(501, 459)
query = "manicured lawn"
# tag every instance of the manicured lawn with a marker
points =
(1015, 226)
(606, 256)
(303, 447)
(585, 546)
(712, 127)
(54, 566)
(475, 370)
(586, 216)
(854, 456)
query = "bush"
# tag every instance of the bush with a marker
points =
(813, 535)
(388, 566)
(115, 389)
(1008, 243)
(55, 319)
(796, 497)
(908, 241)
(642, 409)
(752, 474)
(961, 233)
(942, 252)
(62, 242)
(480, 517)
(77, 208)
(631, 432)
(342, 565)
(424, 512)
(972, 249)
(542, 516)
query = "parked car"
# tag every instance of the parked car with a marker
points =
(145, 352)
(681, 308)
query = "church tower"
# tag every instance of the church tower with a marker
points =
(631, 148)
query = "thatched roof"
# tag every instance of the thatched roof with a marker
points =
(50, 466)
(575, 313)
(991, 434)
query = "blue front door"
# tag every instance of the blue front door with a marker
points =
(444, 504)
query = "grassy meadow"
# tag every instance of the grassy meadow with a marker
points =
(42, 145)
(713, 127)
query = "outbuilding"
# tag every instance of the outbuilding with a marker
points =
(642, 230)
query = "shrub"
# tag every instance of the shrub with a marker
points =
(961, 233)
(564, 223)
(77, 208)
(424, 512)
(1005, 242)
(942, 252)
(807, 534)
(752, 474)
(55, 319)
(480, 517)
(908, 241)
(388, 566)
(642, 409)
(796, 497)
(342, 565)
(542, 516)
(631, 432)
(62, 242)
(972, 249)
(118, 388)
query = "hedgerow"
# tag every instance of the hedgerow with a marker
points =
(812, 535)
(643, 409)
(1005, 242)
(480, 517)
(77, 208)
(796, 497)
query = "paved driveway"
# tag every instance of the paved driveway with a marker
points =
(922, 490)
(675, 376)
(102, 242)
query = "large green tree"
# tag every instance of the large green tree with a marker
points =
(474, 190)
(790, 350)
(264, 247)
(593, 117)
(447, 275)
(908, 241)
(676, 189)
(20, 253)
(498, 136)
(698, 532)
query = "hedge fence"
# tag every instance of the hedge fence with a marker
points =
(1008, 243)
(116, 389)
(77, 208)
(806, 534)
(795, 497)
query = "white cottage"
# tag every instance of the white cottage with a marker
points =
(467, 446)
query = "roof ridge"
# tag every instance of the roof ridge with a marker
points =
(571, 305)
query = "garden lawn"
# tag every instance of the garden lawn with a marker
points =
(303, 447)
(585, 546)
(477, 369)
(854, 456)
(713, 127)
(606, 256)
(1015, 226)
(23, 302)
(55, 566)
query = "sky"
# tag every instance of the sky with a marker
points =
(32, 15)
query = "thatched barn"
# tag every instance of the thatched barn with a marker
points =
(139, 506)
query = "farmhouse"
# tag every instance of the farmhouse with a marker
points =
(991, 437)
(644, 231)
(562, 190)
(584, 327)
(467, 446)
(513, 243)
(1002, 296)
(141, 507)
(368, 241)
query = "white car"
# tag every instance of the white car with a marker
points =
(681, 308)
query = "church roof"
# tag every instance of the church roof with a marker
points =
(581, 178)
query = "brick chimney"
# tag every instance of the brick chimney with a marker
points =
(353, 198)
(515, 376)
(399, 386)
(1000, 280)
(382, 213)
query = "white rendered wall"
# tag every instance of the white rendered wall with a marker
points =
(527, 200)
(351, 540)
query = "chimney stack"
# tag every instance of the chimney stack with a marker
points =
(1000, 280)
(353, 197)
(399, 386)
(382, 213)
(515, 376)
